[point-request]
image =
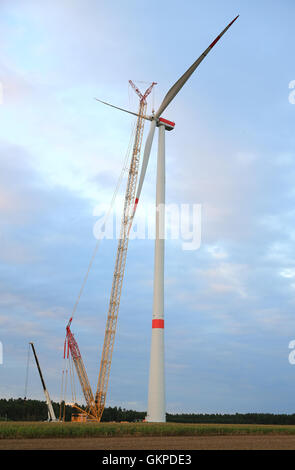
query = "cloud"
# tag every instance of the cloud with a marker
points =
(217, 252)
(288, 273)
(61, 154)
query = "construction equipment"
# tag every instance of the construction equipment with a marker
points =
(51, 414)
(156, 401)
(95, 407)
(126, 222)
(72, 346)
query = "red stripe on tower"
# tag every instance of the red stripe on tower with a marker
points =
(158, 323)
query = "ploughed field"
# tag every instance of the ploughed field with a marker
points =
(43, 435)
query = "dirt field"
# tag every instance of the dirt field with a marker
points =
(270, 442)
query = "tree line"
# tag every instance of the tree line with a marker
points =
(237, 418)
(19, 409)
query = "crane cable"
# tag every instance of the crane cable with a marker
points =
(153, 99)
(124, 169)
(72, 376)
(61, 395)
(68, 371)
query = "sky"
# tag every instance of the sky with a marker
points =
(230, 304)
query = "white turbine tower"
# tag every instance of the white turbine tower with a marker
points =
(156, 392)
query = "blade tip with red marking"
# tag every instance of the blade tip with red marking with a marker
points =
(221, 34)
(232, 22)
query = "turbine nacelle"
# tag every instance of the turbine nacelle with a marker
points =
(169, 125)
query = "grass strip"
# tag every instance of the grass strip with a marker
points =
(36, 430)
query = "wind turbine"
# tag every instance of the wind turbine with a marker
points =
(156, 392)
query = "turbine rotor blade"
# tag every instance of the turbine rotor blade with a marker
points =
(149, 118)
(145, 160)
(182, 80)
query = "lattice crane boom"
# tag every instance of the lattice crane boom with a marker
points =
(71, 346)
(95, 405)
(144, 96)
(121, 256)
